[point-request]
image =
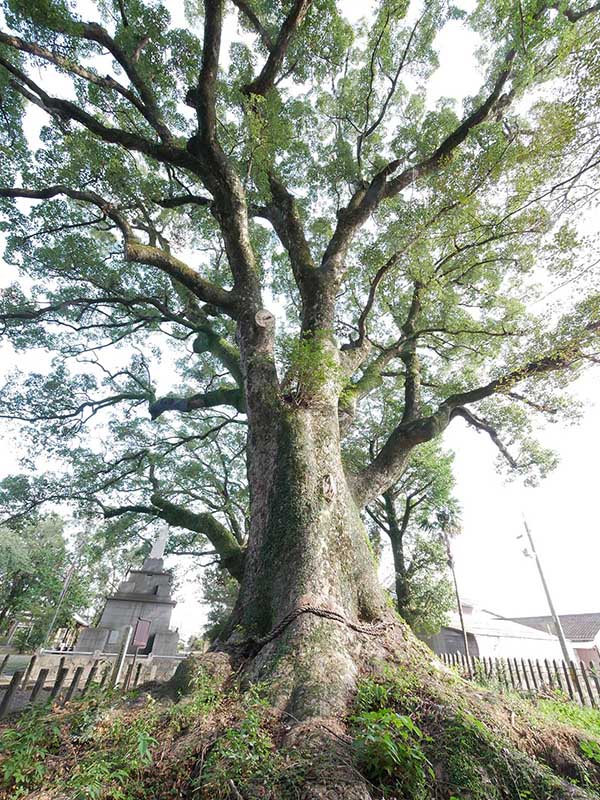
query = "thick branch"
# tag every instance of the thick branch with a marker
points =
(183, 200)
(392, 459)
(253, 19)
(225, 396)
(482, 425)
(96, 33)
(282, 213)
(70, 66)
(66, 110)
(366, 199)
(575, 16)
(134, 250)
(230, 553)
(265, 81)
(410, 358)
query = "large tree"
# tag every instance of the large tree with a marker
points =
(264, 232)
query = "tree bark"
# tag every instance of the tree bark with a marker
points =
(309, 556)
(396, 530)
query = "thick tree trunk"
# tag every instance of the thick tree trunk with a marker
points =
(310, 557)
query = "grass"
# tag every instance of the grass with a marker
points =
(415, 735)
(559, 710)
(461, 741)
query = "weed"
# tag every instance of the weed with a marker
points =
(246, 757)
(389, 744)
(591, 750)
(113, 768)
(24, 748)
(205, 696)
(586, 719)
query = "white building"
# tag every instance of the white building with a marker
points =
(491, 635)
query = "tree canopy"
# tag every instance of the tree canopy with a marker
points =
(205, 211)
(35, 560)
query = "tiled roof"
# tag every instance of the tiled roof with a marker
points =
(577, 627)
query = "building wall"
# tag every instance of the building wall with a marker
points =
(515, 647)
(450, 641)
(118, 613)
(587, 652)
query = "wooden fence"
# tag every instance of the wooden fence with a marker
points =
(21, 691)
(578, 681)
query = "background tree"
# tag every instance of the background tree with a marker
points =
(406, 515)
(219, 592)
(282, 226)
(34, 561)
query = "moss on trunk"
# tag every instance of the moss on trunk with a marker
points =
(312, 552)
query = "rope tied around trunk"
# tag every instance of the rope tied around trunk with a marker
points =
(370, 629)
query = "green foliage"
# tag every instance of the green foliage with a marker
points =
(481, 765)
(34, 560)
(312, 366)
(24, 749)
(389, 744)
(591, 750)
(204, 697)
(586, 719)
(247, 757)
(474, 758)
(118, 752)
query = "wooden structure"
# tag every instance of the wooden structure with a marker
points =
(535, 677)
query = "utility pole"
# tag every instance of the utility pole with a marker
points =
(557, 625)
(446, 539)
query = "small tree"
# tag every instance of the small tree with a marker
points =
(407, 516)
(34, 561)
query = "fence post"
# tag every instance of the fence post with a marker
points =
(576, 682)
(588, 685)
(128, 676)
(596, 677)
(28, 671)
(538, 665)
(73, 686)
(533, 675)
(39, 685)
(58, 683)
(518, 674)
(10, 692)
(4, 663)
(137, 675)
(549, 671)
(90, 677)
(568, 680)
(510, 672)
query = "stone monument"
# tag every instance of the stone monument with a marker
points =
(144, 594)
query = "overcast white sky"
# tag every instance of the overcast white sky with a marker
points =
(563, 512)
